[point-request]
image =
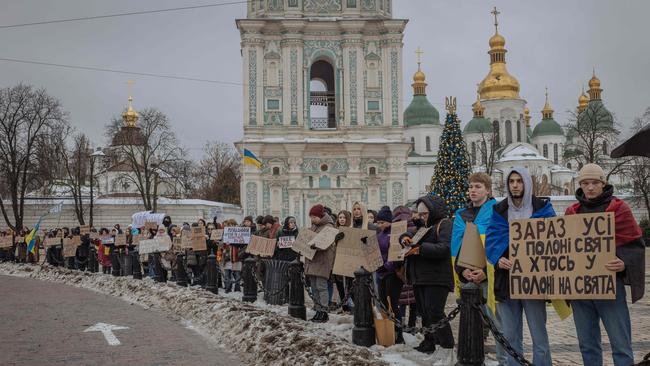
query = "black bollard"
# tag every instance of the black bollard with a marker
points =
(157, 268)
(248, 276)
(363, 333)
(127, 267)
(296, 291)
(181, 275)
(115, 261)
(69, 263)
(470, 330)
(93, 265)
(135, 262)
(211, 274)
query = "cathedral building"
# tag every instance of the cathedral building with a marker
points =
(322, 105)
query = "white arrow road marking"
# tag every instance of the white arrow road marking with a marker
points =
(107, 331)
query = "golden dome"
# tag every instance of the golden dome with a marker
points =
(527, 116)
(498, 84)
(497, 41)
(419, 85)
(547, 111)
(419, 76)
(594, 82)
(130, 117)
(583, 100)
(594, 87)
(477, 107)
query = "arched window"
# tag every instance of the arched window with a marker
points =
(605, 148)
(473, 153)
(272, 74)
(311, 182)
(508, 132)
(276, 170)
(372, 171)
(413, 142)
(338, 181)
(519, 136)
(568, 165)
(545, 151)
(428, 143)
(497, 133)
(555, 154)
(373, 75)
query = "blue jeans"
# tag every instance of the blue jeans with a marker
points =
(510, 312)
(615, 316)
(228, 281)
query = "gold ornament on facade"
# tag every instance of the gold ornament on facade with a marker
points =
(450, 104)
(498, 84)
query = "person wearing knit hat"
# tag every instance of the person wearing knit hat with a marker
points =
(596, 196)
(592, 171)
(320, 267)
(384, 214)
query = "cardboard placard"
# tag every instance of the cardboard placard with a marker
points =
(237, 235)
(107, 240)
(155, 245)
(198, 238)
(286, 242)
(19, 239)
(352, 252)
(120, 240)
(70, 247)
(6, 242)
(301, 244)
(472, 251)
(263, 247)
(419, 235)
(395, 250)
(325, 238)
(93, 235)
(51, 242)
(216, 234)
(186, 240)
(84, 229)
(176, 244)
(563, 257)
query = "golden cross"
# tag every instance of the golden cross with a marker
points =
(419, 53)
(496, 22)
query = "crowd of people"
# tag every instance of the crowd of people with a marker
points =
(419, 285)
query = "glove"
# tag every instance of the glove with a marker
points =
(339, 237)
(364, 240)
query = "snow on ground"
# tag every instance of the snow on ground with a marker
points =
(260, 334)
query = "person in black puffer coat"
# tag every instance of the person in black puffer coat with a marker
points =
(288, 229)
(428, 269)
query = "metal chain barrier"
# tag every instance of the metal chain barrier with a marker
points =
(433, 328)
(260, 285)
(499, 337)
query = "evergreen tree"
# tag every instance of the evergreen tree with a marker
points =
(450, 180)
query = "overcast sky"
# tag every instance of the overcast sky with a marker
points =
(552, 43)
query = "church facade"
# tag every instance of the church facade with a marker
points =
(322, 106)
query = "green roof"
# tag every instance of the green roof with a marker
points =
(478, 125)
(421, 112)
(548, 127)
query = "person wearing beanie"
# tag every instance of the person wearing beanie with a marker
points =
(267, 224)
(289, 230)
(320, 267)
(428, 269)
(390, 285)
(595, 195)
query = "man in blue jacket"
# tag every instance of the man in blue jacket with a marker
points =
(519, 204)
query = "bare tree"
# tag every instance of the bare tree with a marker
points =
(151, 151)
(218, 174)
(75, 162)
(487, 147)
(27, 117)
(591, 134)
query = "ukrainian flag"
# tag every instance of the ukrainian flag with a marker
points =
(250, 158)
(30, 239)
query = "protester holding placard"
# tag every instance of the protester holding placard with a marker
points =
(103, 253)
(519, 204)
(407, 296)
(595, 195)
(319, 268)
(428, 269)
(232, 264)
(285, 238)
(390, 285)
(343, 284)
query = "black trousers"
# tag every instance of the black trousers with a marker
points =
(430, 302)
(390, 287)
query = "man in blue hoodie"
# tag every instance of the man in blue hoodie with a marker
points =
(519, 204)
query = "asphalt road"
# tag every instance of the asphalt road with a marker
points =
(43, 323)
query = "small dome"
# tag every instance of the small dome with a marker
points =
(497, 41)
(548, 127)
(421, 112)
(478, 125)
(594, 82)
(419, 76)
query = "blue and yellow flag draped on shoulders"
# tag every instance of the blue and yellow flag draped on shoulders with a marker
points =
(251, 159)
(482, 220)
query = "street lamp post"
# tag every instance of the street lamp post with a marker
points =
(97, 153)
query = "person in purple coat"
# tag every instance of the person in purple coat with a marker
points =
(390, 285)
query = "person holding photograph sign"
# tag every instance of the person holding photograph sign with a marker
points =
(595, 195)
(519, 204)
(428, 269)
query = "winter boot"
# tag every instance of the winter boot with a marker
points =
(427, 346)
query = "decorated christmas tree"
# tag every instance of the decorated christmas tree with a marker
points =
(450, 180)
